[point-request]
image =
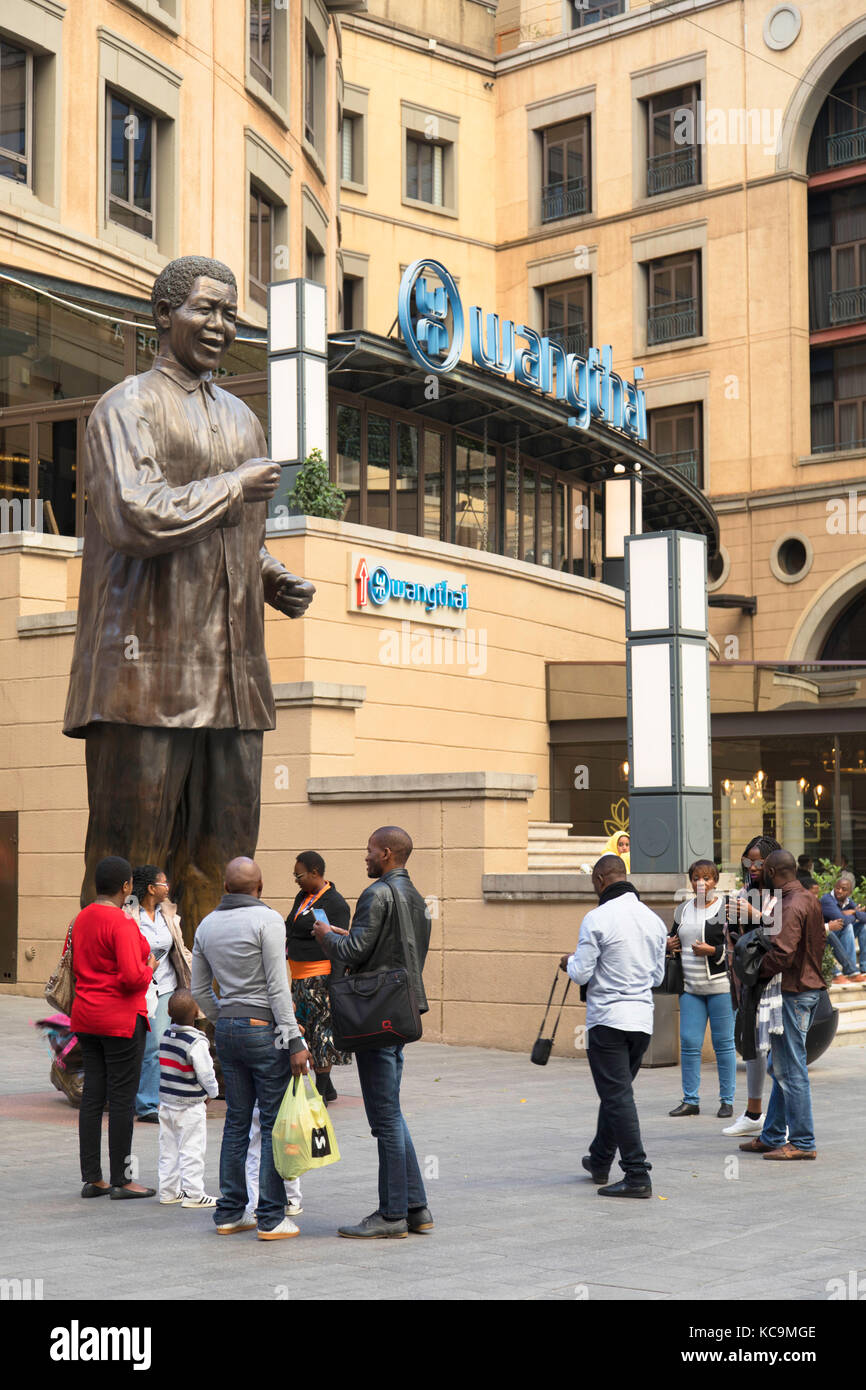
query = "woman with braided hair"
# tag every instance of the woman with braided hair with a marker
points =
(749, 910)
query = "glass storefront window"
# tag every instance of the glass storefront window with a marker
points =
(579, 522)
(51, 352)
(512, 505)
(474, 510)
(348, 459)
(561, 536)
(379, 471)
(545, 519)
(14, 474)
(434, 456)
(407, 479)
(527, 514)
(57, 475)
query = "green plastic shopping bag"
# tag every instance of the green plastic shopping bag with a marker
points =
(303, 1136)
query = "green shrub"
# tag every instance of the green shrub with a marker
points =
(314, 494)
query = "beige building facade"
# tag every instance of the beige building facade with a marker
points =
(530, 148)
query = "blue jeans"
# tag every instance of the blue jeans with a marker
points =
(253, 1070)
(842, 944)
(695, 1009)
(400, 1185)
(791, 1100)
(147, 1099)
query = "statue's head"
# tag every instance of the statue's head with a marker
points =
(195, 306)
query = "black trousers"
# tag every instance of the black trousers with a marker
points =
(187, 800)
(112, 1067)
(614, 1060)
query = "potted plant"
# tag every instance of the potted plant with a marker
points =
(313, 493)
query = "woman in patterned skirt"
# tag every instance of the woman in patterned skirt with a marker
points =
(309, 972)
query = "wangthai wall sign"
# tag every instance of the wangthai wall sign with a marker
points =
(589, 385)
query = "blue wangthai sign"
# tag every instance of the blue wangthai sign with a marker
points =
(588, 384)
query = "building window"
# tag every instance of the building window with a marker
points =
(567, 314)
(261, 59)
(585, 12)
(347, 149)
(674, 298)
(353, 289)
(673, 157)
(675, 439)
(16, 113)
(837, 257)
(314, 260)
(838, 390)
(839, 133)
(424, 170)
(565, 177)
(131, 159)
(314, 93)
(261, 245)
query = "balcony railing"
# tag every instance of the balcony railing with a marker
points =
(667, 322)
(847, 147)
(685, 462)
(847, 306)
(563, 200)
(573, 337)
(675, 169)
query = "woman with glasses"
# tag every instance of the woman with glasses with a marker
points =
(752, 907)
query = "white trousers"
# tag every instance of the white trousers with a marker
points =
(254, 1158)
(182, 1145)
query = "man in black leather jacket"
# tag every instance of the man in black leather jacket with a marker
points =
(373, 943)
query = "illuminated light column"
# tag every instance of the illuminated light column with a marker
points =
(668, 691)
(297, 377)
(623, 516)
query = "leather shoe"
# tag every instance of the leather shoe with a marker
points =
(420, 1221)
(125, 1194)
(685, 1109)
(755, 1146)
(90, 1189)
(625, 1189)
(724, 1111)
(791, 1151)
(151, 1118)
(599, 1175)
(374, 1226)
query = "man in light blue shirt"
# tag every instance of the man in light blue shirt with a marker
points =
(620, 957)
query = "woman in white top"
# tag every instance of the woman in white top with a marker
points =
(699, 938)
(160, 925)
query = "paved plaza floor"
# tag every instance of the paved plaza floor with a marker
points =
(516, 1219)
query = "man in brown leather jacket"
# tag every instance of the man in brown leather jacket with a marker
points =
(373, 943)
(795, 953)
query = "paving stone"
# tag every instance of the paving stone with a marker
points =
(516, 1220)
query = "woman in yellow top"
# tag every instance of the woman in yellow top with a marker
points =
(619, 843)
(309, 972)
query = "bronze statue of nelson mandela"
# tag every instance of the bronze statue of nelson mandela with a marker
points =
(170, 687)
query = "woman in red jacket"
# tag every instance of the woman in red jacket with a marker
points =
(113, 967)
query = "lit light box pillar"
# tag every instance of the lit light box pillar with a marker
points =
(668, 691)
(297, 377)
(623, 516)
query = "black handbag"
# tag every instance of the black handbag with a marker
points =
(375, 1008)
(673, 980)
(542, 1047)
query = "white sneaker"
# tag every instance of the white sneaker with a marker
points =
(293, 1209)
(245, 1224)
(203, 1201)
(745, 1126)
(284, 1231)
(167, 1200)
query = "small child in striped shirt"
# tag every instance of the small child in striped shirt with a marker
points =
(186, 1079)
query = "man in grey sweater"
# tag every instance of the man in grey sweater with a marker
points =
(242, 945)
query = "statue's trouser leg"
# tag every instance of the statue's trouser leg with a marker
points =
(218, 818)
(187, 800)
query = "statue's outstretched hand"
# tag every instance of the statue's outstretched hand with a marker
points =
(291, 595)
(259, 479)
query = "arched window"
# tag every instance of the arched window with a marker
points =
(847, 638)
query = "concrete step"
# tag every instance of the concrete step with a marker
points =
(549, 830)
(850, 1000)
